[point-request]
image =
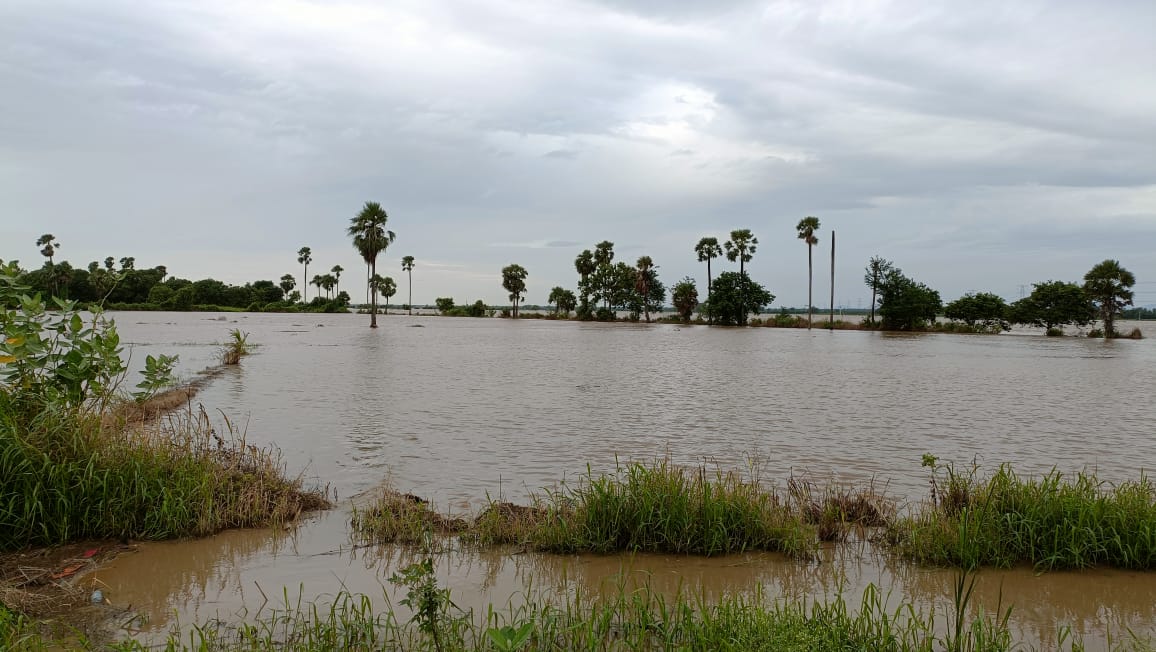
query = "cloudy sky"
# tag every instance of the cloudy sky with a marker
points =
(980, 145)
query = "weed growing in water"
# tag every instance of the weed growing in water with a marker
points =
(236, 348)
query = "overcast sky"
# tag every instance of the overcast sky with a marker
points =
(979, 145)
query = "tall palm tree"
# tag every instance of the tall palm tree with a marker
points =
(741, 247)
(585, 266)
(317, 282)
(514, 281)
(48, 246)
(336, 271)
(1110, 286)
(305, 256)
(370, 238)
(407, 267)
(388, 288)
(707, 249)
(642, 283)
(603, 253)
(806, 230)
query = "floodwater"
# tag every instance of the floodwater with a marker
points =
(455, 409)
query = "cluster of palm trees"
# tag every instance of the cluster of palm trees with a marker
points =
(743, 244)
(330, 282)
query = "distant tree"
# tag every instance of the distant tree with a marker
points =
(407, 267)
(48, 246)
(684, 295)
(328, 282)
(878, 268)
(585, 266)
(388, 288)
(336, 271)
(557, 293)
(514, 281)
(287, 284)
(734, 297)
(806, 232)
(477, 309)
(444, 304)
(127, 263)
(567, 302)
(741, 247)
(317, 282)
(371, 238)
(905, 304)
(707, 249)
(643, 281)
(1109, 286)
(304, 257)
(984, 309)
(1052, 305)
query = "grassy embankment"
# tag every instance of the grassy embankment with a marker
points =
(80, 457)
(1052, 522)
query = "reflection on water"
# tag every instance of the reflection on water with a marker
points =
(464, 407)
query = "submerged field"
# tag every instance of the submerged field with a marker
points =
(465, 411)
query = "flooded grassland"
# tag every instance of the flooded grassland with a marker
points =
(455, 410)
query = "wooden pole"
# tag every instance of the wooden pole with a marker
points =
(831, 321)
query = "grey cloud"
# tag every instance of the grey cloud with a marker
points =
(567, 154)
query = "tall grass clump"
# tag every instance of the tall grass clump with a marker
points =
(1052, 522)
(236, 348)
(69, 469)
(665, 508)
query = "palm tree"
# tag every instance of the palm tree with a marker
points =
(585, 266)
(741, 247)
(387, 287)
(642, 280)
(806, 229)
(305, 256)
(557, 296)
(514, 281)
(288, 282)
(407, 267)
(1110, 286)
(48, 246)
(336, 271)
(317, 282)
(370, 238)
(328, 281)
(708, 248)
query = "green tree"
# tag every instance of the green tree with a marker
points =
(304, 257)
(317, 282)
(444, 304)
(1052, 305)
(328, 282)
(734, 297)
(1109, 286)
(905, 304)
(407, 267)
(336, 271)
(878, 269)
(371, 238)
(585, 266)
(806, 231)
(558, 298)
(388, 288)
(984, 309)
(643, 281)
(288, 282)
(567, 302)
(514, 281)
(48, 246)
(684, 295)
(707, 250)
(741, 247)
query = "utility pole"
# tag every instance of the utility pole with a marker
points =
(831, 321)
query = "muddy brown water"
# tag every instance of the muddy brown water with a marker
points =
(453, 409)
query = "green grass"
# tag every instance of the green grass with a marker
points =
(1052, 522)
(67, 475)
(656, 507)
(635, 620)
